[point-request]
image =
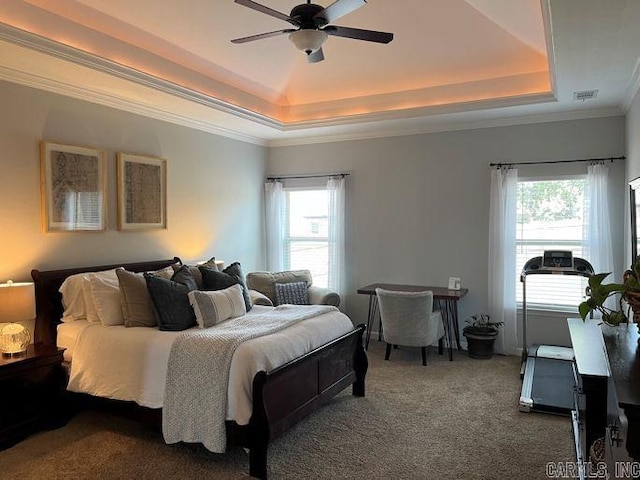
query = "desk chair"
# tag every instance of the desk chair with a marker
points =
(408, 319)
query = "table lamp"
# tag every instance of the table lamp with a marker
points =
(17, 303)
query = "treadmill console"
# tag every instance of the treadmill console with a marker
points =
(552, 264)
(557, 260)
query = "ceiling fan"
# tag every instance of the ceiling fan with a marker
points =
(312, 26)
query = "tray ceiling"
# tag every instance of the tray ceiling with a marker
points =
(448, 57)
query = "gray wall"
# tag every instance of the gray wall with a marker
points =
(214, 187)
(418, 206)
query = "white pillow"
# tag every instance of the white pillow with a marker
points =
(90, 308)
(105, 293)
(72, 299)
(213, 307)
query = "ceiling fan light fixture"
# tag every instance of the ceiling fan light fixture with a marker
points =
(308, 40)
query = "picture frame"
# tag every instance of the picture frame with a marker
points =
(142, 192)
(73, 188)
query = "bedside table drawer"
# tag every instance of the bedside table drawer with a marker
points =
(31, 394)
(32, 388)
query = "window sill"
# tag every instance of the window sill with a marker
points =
(566, 311)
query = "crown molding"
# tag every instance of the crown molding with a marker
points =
(447, 124)
(37, 62)
(67, 53)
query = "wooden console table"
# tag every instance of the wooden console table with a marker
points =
(446, 300)
(607, 396)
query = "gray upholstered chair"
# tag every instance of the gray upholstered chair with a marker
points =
(408, 319)
(262, 288)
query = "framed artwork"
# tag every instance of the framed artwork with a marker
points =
(142, 192)
(74, 187)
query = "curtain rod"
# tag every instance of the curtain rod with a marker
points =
(309, 176)
(611, 159)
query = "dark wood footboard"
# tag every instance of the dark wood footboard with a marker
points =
(289, 393)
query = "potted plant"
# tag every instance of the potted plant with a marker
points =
(627, 291)
(481, 334)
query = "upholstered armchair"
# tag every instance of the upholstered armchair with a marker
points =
(408, 319)
(262, 287)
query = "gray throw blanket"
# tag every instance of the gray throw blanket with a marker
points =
(198, 373)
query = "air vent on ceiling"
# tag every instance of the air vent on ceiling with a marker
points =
(585, 95)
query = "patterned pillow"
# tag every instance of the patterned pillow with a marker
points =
(214, 307)
(293, 293)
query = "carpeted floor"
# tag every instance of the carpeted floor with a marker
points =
(449, 420)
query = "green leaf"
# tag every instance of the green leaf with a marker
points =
(584, 309)
(614, 317)
(596, 280)
(613, 288)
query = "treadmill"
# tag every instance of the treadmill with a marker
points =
(548, 379)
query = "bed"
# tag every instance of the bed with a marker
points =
(279, 397)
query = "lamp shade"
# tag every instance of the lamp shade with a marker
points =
(308, 40)
(17, 303)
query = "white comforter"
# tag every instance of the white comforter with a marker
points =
(131, 363)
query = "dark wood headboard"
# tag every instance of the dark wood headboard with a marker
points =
(49, 300)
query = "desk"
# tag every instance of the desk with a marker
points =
(446, 300)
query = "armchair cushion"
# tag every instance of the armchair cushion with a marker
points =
(264, 282)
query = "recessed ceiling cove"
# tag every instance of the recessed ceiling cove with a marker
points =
(446, 55)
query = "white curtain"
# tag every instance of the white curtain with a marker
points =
(274, 225)
(598, 249)
(502, 257)
(336, 190)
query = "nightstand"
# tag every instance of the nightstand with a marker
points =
(31, 389)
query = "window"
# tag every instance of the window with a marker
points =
(551, 215)
(306, 242)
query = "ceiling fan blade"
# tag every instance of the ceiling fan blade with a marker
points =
(359, 34)
(260, 36)
(338, 9)
(269, 11)
(316, 56)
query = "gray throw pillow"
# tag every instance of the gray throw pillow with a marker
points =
(293, 293)
(171, 301)
(195, 271)
(232, 275)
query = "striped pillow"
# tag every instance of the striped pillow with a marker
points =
(213, 307)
